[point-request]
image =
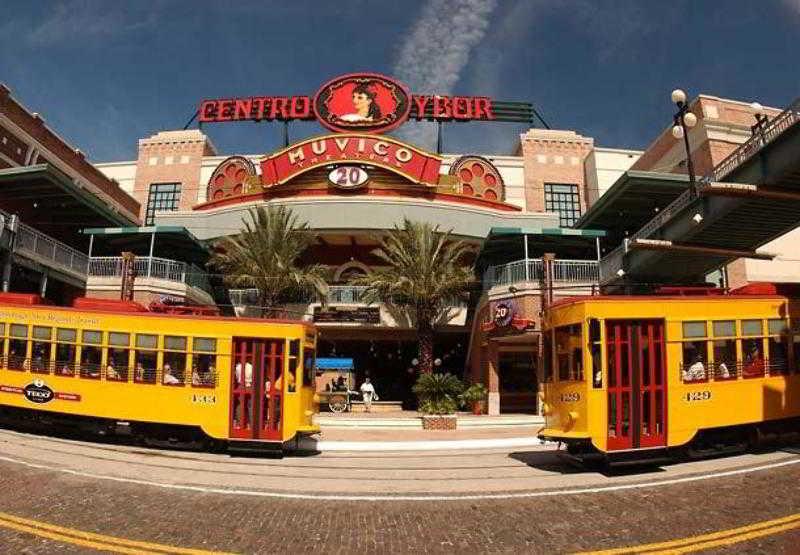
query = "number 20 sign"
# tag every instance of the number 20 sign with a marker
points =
(348, 177)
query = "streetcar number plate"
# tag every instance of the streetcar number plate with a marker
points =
(202, 399)
(570, 397)
(698, 396)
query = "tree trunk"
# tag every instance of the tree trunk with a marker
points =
(425, 337)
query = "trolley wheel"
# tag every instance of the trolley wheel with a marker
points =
(337, 403)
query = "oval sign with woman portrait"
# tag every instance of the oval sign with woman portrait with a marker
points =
(365, 102)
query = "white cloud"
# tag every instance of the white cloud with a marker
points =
(437, 50)
(81, 19)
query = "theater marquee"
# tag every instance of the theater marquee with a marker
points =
(364, 102)
(383, 152)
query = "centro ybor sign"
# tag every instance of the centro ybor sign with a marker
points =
(336, 149)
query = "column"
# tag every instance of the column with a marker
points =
(493, 379)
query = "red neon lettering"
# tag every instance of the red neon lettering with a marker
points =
(258, 103)
(224, 110)
(421, 102)
(208, 110)
(441, 107)
(300, 107)
(244, 106)
(279, 109)
(462, 107)
(483, 108)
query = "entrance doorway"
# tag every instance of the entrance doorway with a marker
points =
(256, 375)
(518, 380)
(636, 384)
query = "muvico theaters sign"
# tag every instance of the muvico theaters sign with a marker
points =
(384, 152)
(363, 102)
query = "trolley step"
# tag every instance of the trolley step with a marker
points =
(256, 448)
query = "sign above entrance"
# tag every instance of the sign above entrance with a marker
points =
(383, 152)
(364, 102)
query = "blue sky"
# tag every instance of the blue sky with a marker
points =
(105, 73)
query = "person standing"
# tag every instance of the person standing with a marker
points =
(368, 394)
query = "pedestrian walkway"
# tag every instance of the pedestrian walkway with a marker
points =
(412, 420)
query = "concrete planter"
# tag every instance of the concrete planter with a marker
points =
(439, 422)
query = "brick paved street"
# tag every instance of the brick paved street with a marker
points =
(246, 523)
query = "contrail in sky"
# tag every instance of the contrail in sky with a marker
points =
(437, 50)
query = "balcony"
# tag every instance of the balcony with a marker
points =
(158, 275)
(578, 272)
(245, 303)
(44, 250)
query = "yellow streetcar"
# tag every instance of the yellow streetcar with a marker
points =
(628, 378)
(117, 367)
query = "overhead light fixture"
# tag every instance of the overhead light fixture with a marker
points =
(620, 272)
(697, 218)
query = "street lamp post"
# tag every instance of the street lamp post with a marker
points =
(761, 119)
(683, 120)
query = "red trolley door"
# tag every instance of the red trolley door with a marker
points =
(256, 378)
(636, 384)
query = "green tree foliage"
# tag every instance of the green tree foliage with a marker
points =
(265, 256)
(423, 270)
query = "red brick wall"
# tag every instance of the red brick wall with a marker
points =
(172, 157)
(551, 156)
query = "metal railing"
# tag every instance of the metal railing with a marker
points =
(337, 294)
(147, 267)
(346, 294)
(571, 271)
(774, 128)
(779, 124)
(48, 251)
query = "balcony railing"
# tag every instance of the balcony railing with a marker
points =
(565, 271)
(44, 249)
(337, 294)
(157, 268)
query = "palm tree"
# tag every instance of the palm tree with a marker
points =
(265, 256)
(424, 270)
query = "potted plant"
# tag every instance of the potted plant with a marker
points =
(438, 400)
(475, 396)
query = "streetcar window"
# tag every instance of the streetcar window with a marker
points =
(17, 348)
(694, 329)
(119, 339)
(91, 358)
(204, 344)
(65, 358)
(40, 332)
(725, 328)
(309, 375)
(725, 363)
(778, 355)
(40, 357)
(797, 352)
(117, 363)
(145, 362)
(144, 341)
(92, 337)
(66, 335)
(547, 363)
(174, 368)
(2, 329)
(174, 343)
(752, 327)
(569, 353)
(752, 351)
(204, 369)
(694, 361)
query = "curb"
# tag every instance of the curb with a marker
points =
(310, 444)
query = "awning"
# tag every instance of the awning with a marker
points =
(506, 244)
(172, 242)
(632, 201)
(46, 198)
(335, 364)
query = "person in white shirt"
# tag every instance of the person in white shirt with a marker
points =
(368, 393)
(697, 371)
(169, 377)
